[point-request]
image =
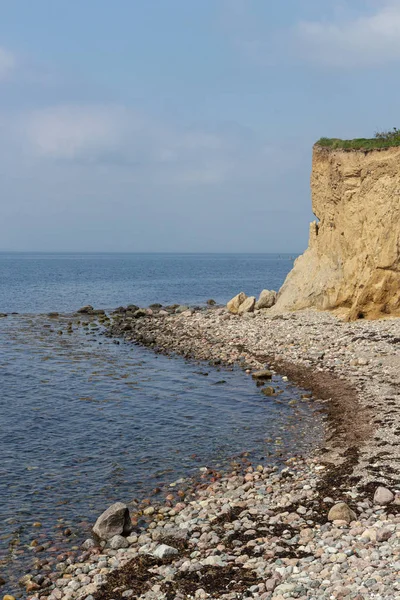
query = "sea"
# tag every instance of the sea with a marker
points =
(86, 422)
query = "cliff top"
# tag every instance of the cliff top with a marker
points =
(384, 139)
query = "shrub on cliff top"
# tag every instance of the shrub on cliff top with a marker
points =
(382, 139)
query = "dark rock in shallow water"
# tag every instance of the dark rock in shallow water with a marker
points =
(268, 391)
(86, 310)
(3, 315)
(155, 306)
(132, 308)
(53, 315)
(141, 312)
(264, 374)
(211, 302)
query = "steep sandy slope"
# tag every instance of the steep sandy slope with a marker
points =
(353, 259)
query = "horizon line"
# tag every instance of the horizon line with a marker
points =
(143, 252)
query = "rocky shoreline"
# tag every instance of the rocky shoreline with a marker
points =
(256, 532)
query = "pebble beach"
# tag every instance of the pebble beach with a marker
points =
(324, 526)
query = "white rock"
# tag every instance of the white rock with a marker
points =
(163, 551)
(117, 542)
(383, 496)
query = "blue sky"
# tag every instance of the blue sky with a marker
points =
(181, 125)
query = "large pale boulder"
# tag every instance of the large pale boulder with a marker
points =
(113, 521)
(266, 299)
(383, 496)
(247, 306)
(234, 304)
(341, 512)
(352, 263)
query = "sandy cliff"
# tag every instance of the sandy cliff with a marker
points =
(352, 262)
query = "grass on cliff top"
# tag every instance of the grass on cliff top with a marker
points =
(382, 139)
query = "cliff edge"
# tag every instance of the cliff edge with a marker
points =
(352, 262)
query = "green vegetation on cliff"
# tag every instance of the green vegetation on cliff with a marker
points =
(382, 139)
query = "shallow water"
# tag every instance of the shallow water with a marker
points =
(86, 422)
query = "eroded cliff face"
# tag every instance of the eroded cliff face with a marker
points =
(352, 262)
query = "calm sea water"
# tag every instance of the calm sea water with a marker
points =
(63, 282)
(86, 422)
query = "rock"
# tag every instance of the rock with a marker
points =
(3, 315)
(247, 306)
(264, 374)
(268, 391)
(383, 496)
(181, 309)
(266, 299)
(89, 543)
(52, 315)
(211, 302)
(2, 581)
(285, 588)
(141, 312)
(187, 313)
(113, 521)
(31, 586)
(213, 561)
(86, 310)
(117, 542)
(341, 511)
(163, 551)
(234, 304)
(383, 534)
(8, 597)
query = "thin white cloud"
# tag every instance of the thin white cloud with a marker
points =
(365, 41)
(73, 132)
(7, 63)
(121, 137)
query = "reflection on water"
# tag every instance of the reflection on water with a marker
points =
(86, 422)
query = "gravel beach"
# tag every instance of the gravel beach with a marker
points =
(256, 532)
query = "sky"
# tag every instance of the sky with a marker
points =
(181, 125)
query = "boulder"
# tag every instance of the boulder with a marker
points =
(341, 512)
(211, 302)
(114, 521)
(164, 551)
(268, 391)
(383, 496)
(247, 306)
(266, 299)
(234, 304)
(181, 309)
(86, 310)
(117, 542)
(263, 374)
